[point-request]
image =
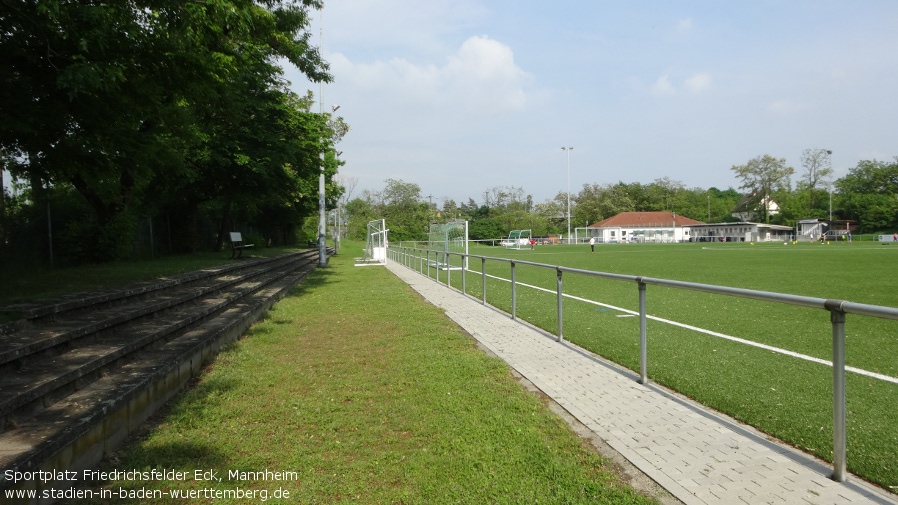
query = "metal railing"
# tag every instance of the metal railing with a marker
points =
(423, 260)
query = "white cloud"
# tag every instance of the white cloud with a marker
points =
(698, 83)
(685, 25)
(480, 76)
(784, 108)
(484, 71)
(663, 87)
(413, 27)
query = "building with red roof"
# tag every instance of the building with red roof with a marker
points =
(658, 226)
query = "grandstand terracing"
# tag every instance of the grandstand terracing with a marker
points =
(80, 374)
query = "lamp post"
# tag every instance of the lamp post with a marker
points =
(568, 150)
(322, 220)
(829, 155)
(337, 218)
(322, 211)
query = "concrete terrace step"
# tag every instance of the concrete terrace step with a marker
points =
(66, 402)
(39, 332)
(29, 314)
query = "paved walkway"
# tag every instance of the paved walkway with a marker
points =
(698, 455)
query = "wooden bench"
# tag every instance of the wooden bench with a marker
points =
(237, 245)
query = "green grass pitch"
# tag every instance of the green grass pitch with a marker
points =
(787, 397)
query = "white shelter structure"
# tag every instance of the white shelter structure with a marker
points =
(742, 231)
(812, 229)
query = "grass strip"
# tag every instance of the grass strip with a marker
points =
(369, 395)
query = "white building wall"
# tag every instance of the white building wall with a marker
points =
(618, 235)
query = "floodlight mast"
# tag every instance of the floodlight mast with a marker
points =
(322, 220)
(568, 149)
(322, 224)
(322, 211)
(829, 155)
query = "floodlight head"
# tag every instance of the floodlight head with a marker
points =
(334, 108)
(828, 151)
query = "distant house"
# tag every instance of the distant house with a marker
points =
(656, 227)
(747, 208)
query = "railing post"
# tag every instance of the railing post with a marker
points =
(643, 337)
(448, 271)
(483, 274)
(837, 317)
(560, 298)
(427, 261)
(464, 288)
(514, 294)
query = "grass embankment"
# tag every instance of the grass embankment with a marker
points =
(369, 395)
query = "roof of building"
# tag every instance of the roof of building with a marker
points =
(748, 223)
(658, 219)
(747, 204)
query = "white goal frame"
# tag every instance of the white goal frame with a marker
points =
(518, 238)
(376, 244)
(451, 237)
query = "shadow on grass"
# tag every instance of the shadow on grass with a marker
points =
(186, 457)
(316, 279)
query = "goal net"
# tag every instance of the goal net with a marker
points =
(451, 237)
(375, 244)
(517, 239)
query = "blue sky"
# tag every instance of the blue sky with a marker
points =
(460, 96)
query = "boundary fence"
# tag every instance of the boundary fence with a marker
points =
(425, 260)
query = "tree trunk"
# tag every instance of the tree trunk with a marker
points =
(225, 225)
(2, 206)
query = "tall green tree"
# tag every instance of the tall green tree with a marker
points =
(510, 207)
(597, 202)
(108, 97)
(719, 205)
(408, 217)
(359, 212)
(589, 201)
(762, 177)
(869, 194)
(817, 164)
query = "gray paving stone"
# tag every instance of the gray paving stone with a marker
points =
(698, 455)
